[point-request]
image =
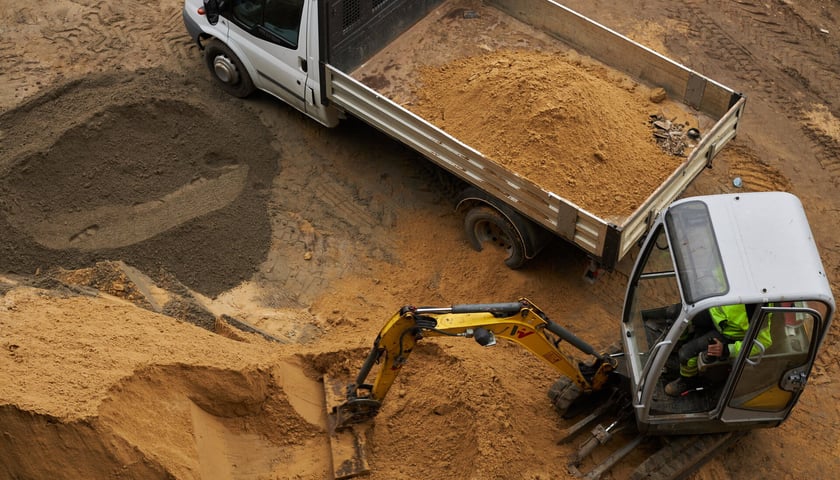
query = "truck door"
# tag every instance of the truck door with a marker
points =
(271, 34)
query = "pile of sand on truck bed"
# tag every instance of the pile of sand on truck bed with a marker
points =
(569, 125)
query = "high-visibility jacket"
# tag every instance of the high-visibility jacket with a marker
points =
(732, 322)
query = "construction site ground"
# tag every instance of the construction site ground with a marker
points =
(146, 217)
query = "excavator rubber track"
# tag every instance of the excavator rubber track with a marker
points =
(683, 455)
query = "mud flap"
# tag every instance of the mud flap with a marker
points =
(347, 445)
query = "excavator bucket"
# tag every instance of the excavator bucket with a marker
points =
(349, 456)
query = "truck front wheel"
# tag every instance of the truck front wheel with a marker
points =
(486, 226)
(227, 69)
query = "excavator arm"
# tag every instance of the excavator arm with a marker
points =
(521, 322)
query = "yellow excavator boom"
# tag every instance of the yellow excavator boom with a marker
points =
(521, 322)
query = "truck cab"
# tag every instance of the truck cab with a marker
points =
(263, 45)
(754, 249)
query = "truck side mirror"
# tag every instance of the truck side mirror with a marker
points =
(212, 9)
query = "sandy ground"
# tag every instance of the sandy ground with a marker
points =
(134, 195)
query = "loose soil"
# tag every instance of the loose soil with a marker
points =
(144, 214)
(558, 120)
(524, 100)
(138, 168)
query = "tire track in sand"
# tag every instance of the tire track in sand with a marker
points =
(71, 39)
(790, 48)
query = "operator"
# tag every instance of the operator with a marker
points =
(719, 332)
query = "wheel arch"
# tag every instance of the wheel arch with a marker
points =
(202, 38)
(532, 236)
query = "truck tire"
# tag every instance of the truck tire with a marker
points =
(227, 70)
(563, 394)
(484, 225)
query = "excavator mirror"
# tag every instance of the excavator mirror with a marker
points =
(484, 337)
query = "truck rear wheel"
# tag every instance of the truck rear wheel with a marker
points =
(486, 226)
(227, 69)
(563, 393)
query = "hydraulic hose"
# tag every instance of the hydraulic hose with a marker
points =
(571, 338)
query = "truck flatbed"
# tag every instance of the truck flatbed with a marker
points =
(525, 100)
(384, 91)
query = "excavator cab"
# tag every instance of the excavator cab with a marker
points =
(754, 249)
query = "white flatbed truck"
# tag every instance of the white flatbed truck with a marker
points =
(308, 53)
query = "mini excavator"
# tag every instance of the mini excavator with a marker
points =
(754, 249)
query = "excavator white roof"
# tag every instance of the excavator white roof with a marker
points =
(766, 247)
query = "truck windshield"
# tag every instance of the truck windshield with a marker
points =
(696, 251)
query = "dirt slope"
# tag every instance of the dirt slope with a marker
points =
(245, 208)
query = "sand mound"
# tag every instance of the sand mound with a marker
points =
(566, 124)
(107, 387)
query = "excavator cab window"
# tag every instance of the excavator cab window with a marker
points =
(655, 299)
(696, 252)
(681, 260)
(654, 303)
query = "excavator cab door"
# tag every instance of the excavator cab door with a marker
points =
(766, 380)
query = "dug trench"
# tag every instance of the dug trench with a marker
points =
(118, 393)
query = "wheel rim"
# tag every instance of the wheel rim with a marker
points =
(225, 70)
(490, 233)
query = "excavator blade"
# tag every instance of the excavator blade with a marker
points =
(349, 455)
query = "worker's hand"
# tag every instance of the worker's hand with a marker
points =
(717, 349)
